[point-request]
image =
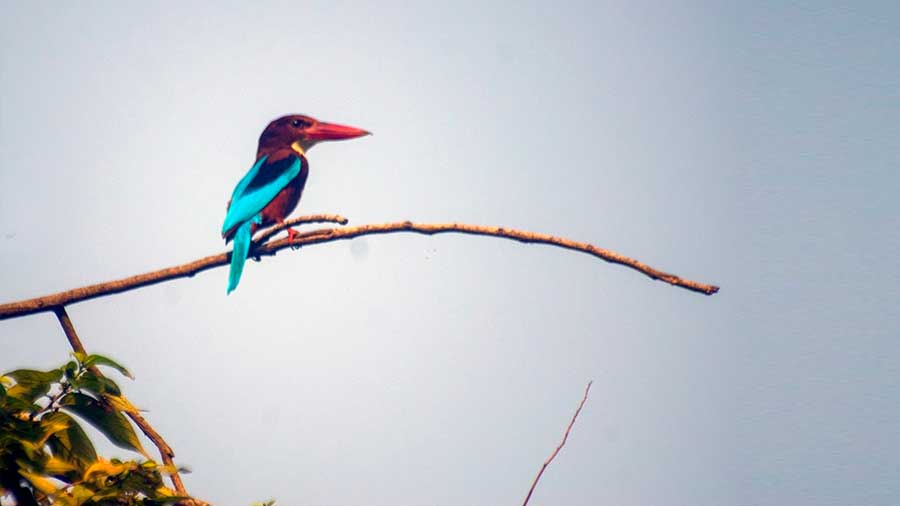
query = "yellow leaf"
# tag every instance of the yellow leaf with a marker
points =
(56, 465)
(39, 482)
(165, 492)
(170, 470)
(120, 403)
(54, 426)
(51, 427)
(104, 467)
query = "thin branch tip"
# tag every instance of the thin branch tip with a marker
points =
(562, 443)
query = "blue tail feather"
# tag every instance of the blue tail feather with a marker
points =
(242, 239)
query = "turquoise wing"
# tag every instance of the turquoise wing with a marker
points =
(256, 189)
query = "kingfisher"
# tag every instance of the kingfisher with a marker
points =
(271, 189)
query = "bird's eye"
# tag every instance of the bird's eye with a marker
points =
(297, 123)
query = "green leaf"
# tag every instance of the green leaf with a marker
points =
(29, 393)
(142, 480)
(97, 384)
(71, 444)
(31, 385)
(28, 376)
(81, 493)
(12, 404)
(101, 360)
(70, 369)
(110, 422)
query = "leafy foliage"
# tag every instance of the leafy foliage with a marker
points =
(46, 458)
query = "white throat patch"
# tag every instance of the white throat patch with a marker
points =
(296, 146)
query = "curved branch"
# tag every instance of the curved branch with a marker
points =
(49, 302)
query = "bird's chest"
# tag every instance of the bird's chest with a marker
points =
(286, 200)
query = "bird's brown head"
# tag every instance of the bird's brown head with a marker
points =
(299, 132)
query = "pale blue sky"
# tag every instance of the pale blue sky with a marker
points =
(754, 146)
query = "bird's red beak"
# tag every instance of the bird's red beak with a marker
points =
(332, 132)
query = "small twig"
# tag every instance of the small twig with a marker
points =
(48, 302)
(165, 451)
(561, 444)
(315, 218)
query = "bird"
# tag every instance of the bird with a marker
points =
(271, 189)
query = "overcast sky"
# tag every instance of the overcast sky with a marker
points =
(753, 146)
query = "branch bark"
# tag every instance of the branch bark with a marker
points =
(261, 248)
(165, 451)
(562, 443)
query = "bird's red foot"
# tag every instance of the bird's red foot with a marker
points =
(292, 234)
